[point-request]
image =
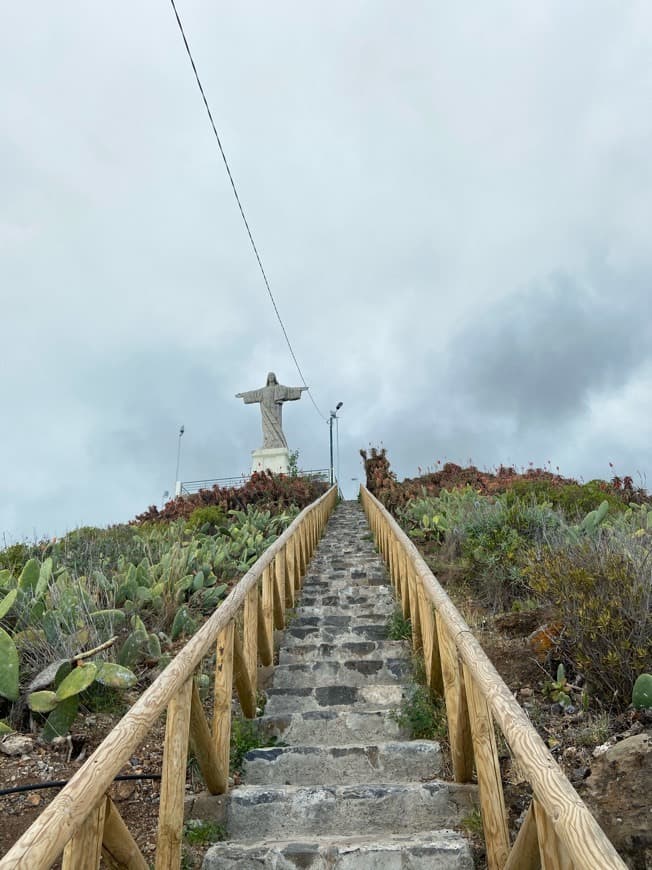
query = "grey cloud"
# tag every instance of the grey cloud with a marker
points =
(404, 176)
(540, 355)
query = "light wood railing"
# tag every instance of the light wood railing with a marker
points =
(82, 821)
(559, 832)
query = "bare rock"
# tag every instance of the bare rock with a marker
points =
(16, 744)
(124, 790)
(619, 795)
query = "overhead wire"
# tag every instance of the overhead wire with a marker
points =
(242, 212)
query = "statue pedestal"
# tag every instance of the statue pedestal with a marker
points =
(274, 459)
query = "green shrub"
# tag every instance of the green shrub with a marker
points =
(495, 542)
(601, 588)
(207, 519)
(14, 557)
(575, 500)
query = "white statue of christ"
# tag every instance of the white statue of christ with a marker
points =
(271, 398)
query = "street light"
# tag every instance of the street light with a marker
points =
(177, 482)
(333, 416)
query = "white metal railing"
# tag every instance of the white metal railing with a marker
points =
(188, 487)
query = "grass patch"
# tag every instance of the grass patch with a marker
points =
(595, 732)
(201, 832)
(472, 823)
(422, 715)
(245, 735)
(398, 627)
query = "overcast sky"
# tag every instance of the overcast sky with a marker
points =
(453, 202)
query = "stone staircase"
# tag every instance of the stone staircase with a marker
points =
(345, 788)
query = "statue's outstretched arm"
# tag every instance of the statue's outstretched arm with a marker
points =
(250, 396)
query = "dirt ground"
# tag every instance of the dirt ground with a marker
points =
(137, 800)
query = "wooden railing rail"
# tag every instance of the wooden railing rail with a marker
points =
(82, 821)
(559, 832)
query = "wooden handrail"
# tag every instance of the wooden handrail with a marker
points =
(476, 697)
(81, 805)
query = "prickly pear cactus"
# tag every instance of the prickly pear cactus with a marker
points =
(43, 701)
(642, 693)
(7, 603)
(8, 667)
(594, 518)
(29, 575)
(78, 679)
(116, 676)
(183, 623)
(61, 718)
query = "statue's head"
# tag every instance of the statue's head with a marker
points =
(271, 379)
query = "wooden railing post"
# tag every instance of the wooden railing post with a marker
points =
(551, 850)
(84, 850)
(301, 541)
(404, 591)
(203, 747)
(430, 641)
(119, 849)
(315, 533)
(222, 700)
(246, 655)
(279, 599)
(412, 583)
(266, 618)
(285, 581)
(293, 565)
(173, 779)
(310, 536)
(459, 730)
(525, 851)
(487, 767)
(392, 546)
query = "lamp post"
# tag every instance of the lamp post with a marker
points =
(332, 417)
(177, 482)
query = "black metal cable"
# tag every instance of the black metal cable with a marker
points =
(60, 783)
(237, 199)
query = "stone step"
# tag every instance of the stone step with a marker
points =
(417, 760)
(349, 596)
(330, 727)
(339, 620)
(327, 582)
(292, 699)
(352, 672)
(444, 850)
(256, 812)
(362, 649)
(301, 634)
(380, 610)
